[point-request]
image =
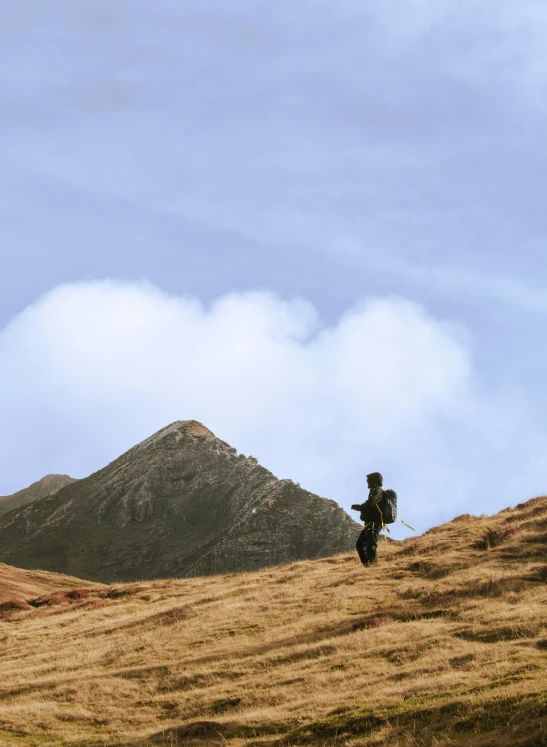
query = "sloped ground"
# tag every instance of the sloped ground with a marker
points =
(444, 642)
(19, 585)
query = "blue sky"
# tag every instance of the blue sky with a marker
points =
(325, 167)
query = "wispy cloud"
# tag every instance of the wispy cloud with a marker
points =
(522, 295)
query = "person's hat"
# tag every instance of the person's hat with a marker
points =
(375, 478)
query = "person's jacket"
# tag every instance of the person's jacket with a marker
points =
(369, 512)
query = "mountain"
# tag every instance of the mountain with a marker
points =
(46, 486)
(442, 642)
(181, 503)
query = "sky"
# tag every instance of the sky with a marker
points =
(317, 228)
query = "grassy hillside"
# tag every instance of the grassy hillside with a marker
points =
(444, 641)
(17, 585)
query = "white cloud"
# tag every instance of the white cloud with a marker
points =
(90, 369)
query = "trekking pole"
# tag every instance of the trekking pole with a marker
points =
(407, 525)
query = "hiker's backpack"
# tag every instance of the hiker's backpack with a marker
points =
(389, 506)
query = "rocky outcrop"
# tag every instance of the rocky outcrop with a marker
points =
(181, 503)
(46, 486)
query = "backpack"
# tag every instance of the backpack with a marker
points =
(389, 506)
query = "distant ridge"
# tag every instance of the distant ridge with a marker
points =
(46, 486)
(180, 503)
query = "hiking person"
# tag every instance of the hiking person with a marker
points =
(371, 514)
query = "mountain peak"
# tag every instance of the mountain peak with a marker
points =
(179, 428)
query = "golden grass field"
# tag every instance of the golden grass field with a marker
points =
(443, 642)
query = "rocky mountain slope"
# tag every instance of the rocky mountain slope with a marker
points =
(443, 642)
(46, 486)
(181, 503)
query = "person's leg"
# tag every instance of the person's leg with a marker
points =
(371, 543)
(360, 547)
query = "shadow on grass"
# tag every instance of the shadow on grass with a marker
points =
(503, 721)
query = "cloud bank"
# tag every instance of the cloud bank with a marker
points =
(92, 368)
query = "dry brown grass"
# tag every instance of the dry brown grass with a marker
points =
(443, 642)
(16, 584)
